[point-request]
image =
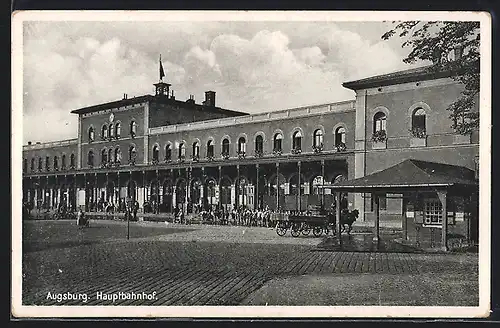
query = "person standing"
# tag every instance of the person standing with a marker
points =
(135, 209)
(79, 217)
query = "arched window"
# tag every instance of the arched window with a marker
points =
(90, 158)
(182, 151)
(318, 139)
(418, 123)
(110, 155)
(133, 128)
(379, 122)
(316, 183)
(196, 149)
(225, 147)
(379, 127)
(40, 164)
(47, 163)
(210, 149)
(131, 155)
(118, 155)
(56, 163)
(340, 137)
(294, 185)
(297, 141)
(33, 164)
(25, 165)
(91, 134)
(242, 145)
(111, 130)
(278, 142)
(104, 156)
(156, 153)
(168, 153)
(259, 145)
(118, 129)
(274, 185)
(72, 161)
(104, 131)
(63, 162)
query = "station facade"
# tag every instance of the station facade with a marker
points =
(166, 153)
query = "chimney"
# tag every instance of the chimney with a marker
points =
(125, 96)
(190, 100)
(457, 52)
(172, 96)
(209, 98)
(29, 143)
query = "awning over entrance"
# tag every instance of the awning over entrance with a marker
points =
(411, 174)
(411, 177)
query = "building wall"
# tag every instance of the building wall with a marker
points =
(175, 112)
(51, 152)
(125, 117)
(326, 122)
(442, 144)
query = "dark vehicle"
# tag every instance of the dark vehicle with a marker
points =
(317, 222)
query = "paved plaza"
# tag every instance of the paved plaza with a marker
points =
(224, 265)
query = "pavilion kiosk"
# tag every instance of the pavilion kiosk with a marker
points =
(440, 207)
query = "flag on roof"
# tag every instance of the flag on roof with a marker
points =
(162, 72)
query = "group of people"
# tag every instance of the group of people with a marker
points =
(121, 206)
(241, 216)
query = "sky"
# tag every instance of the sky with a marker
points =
(253, 66)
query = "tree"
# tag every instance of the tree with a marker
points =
(451, 47)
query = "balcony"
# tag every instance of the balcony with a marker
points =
(296, 151)
(181, 159)
(340, 147)
(379, 139)
(277, 152)
(195, 158)
(259, 153)
(317, 148)
(418, 137)
(241, 154)
(225, 155)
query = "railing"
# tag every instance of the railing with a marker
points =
(51, 144)
(293, 112)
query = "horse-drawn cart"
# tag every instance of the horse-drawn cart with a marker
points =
(317, 223)
(304, 224)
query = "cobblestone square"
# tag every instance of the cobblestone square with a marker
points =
(224, 265)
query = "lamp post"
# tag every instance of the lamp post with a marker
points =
(127, 213)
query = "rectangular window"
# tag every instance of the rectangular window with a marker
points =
(382, 203)
(433, 212)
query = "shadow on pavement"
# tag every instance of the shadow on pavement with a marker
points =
(44, 235)
(364, 243)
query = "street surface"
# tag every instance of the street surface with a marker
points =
(221, 265)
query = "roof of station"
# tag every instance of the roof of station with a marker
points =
(429, 72)
(151, 98)
(412, 173)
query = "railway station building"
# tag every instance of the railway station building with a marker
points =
(166, 153)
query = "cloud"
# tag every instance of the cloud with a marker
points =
(253, 67)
